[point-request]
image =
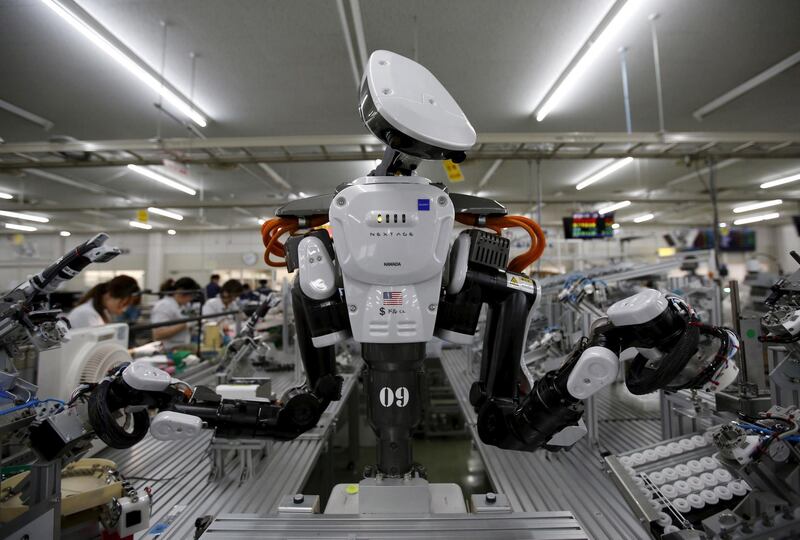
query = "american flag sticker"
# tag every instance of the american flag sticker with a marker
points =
(393, 298)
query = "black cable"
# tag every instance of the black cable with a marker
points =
(106, 427)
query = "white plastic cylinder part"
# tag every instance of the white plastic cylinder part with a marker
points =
(674, 448)
(708, 462)
(683, 487)
(650, 455)
(662, 451)
(657, 478)
(695, 466)
(638, 480)
(699, 441)
(670, 529)
(670, 475)
(695, 501)
(723, 476)
(746, 485)
(631, 471)
(687, 444)
(681, 505)
(626, 461)
(695, 483)
(709, 480)
(723, 493)
(664, 519)
(737, 488)
(709, 496)
(656, 504)
(683, 470)
(637, 458)
(669, 491)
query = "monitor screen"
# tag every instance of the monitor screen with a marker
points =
(588, 225)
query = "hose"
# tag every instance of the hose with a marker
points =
(274, 228)
(105, 425)
(497, 223)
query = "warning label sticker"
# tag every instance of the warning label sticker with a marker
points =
(520, 282)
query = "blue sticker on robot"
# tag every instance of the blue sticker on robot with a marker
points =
(423, 205)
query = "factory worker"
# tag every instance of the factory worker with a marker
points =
(104, 302)
(170, 308)
(226, 301)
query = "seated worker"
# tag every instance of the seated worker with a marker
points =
(226, 301)
(212, 289)
(171, 308)
(247, 294)
(104, 302)
(107, 302)
(263, 288)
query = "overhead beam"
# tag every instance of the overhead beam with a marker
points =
(747, 86)
(43, 123)
(489, 173)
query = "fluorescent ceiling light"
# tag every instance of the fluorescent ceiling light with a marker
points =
(756, 206)
(261, 221)
(160, 178)
(132, 64)
(140, 225)
(722, 225)
(780, 181)
(26, 228)
(302, 195)
(165, 213)
(26, 217)
(6, 196)
(754, 219)
(612, 207)
(172, 232)
(615, 19)
(615, 226)
(602, 173)
(65, 233)
(643, 218)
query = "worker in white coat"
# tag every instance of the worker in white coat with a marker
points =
(225, 301)
(170, 308)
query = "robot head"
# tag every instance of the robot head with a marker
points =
(406, 107)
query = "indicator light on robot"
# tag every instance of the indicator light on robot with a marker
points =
(65, 234)
(380, 218)
(757, 206)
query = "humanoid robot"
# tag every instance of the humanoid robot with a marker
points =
(393, 273)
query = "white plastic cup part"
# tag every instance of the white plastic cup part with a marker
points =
(657, 478)
(670, 529)
(709, 496)
(746, 485)
(681, 505)
(631, 471)
(656, 504)
(695, 466)
(626, 461)
(699, 441)
(674, 448)
(645, 491)
(669, 491)
(637, 458)
(662, 451)
(708, 462)
(723, 493)
(722, 476)
(695, 501)
(683, 470)
(664, 519)
(638, 480)
(737, 488)
(687, 444)
(683, 487)
(650, 455)
(709, 480)
(670, 475)
(695, 483)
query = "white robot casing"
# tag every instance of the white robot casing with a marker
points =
(392, 237)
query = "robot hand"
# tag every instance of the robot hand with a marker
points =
(666, 334)
(128, 392)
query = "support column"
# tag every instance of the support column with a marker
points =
(154, 274)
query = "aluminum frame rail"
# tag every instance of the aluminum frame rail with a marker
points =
(186, 492)
(221, 151)
(576, 480)
(611, 275)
